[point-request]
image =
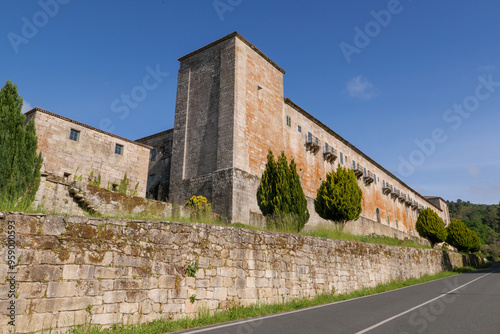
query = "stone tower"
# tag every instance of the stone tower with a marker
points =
(219, 124)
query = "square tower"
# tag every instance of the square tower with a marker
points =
(229, 111)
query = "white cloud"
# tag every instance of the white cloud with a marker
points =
(360, 88)
(474, 171)
(26, 107)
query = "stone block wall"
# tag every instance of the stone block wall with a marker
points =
(159, 164)
(93, 152)
(75, 270)
(79, 198)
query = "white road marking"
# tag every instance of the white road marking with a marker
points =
(240, 322)
(418, 306)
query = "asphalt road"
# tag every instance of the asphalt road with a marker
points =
(466, 303)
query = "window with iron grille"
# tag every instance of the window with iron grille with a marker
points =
(119, 149)
(74, 135)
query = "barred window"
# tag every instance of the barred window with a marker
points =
(74, 135)
(119, 149)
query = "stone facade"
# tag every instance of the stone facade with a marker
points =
(80, 270)
(159, 164)
(231, 110)
(80, 198)
(94, 150)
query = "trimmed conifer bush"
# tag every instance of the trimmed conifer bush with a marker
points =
(339, 197)
(431, 227)
(458, 235)
(475, 243)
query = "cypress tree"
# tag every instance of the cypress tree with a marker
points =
(19, 164)
(430, 226)
(280, 195)
(299, 201)
(339, 197)
(267, 187)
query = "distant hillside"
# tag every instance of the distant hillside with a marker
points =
(482, 218)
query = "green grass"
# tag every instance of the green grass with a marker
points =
(467, 269)
(330, 232)
(321, 231)
(206, 318)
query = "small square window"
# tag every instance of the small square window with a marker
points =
(299, 128)
(119, 149)
(74, 135)
(288, 121)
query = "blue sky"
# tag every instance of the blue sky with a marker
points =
(413, 81)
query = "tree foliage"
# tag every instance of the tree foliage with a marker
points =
(430, 226)
(280, 193)
(19, 163)
(484, 220)
(461, 237)
(339, 197)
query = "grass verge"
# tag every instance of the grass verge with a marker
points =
(206, 318)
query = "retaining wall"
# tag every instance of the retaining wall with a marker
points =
(73, 270)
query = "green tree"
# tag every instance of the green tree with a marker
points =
(19, 164)
(430, 226)
(498, 216)
(339, 197)
(299, 201)
(458, 235)
(280, 195)
(475, 242)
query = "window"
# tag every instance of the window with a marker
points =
(364, 171)
(119, 149)
(288, 121)
(260, 94)
(299, 128)
(309, 137)
(378, 216)
(326, 147)
(74, 135)
(396, 223)
(353, 164)
(153, 154)
(341, 158)
(375, 178)
(388, 221)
